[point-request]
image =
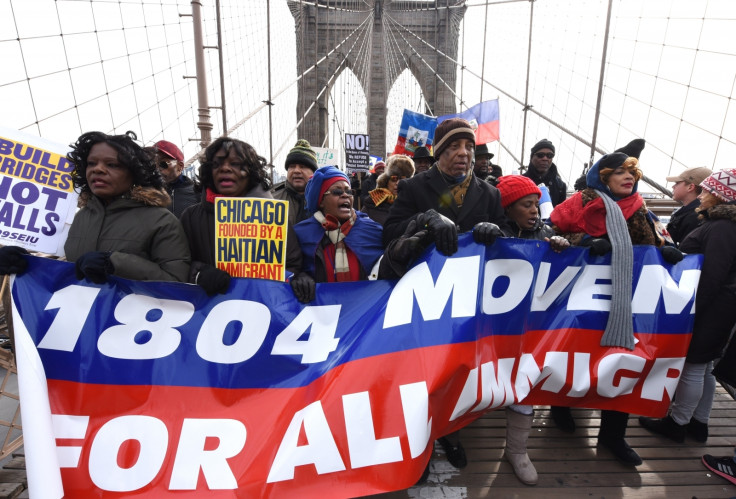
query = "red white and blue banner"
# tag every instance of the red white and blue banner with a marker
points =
(484, 119)
(416, 130)
(143, 389)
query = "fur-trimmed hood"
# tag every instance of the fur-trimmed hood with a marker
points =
(720, 212)
(149, 196)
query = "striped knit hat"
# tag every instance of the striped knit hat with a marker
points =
(449, 130)
(722, 184)
(302, 154)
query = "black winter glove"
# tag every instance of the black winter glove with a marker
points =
(671, 254)
(95, 266)
(405, 249)
(212, 280)
(486, 233)
(12, 261)
(442, 230)
(303, 287)
(598, 246)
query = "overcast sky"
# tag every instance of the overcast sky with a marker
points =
(670, 75)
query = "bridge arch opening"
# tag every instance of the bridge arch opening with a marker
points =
(347, 111)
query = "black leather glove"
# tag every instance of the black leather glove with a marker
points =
(671, 254)
(405, 249)
(486, 233)
(303, 287)
(442, 230)
(95, 266)
(212, 280)
(598, 246)
(12, 261)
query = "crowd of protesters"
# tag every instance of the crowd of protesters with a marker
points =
(140, 218)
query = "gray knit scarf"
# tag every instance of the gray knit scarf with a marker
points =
(620, 327)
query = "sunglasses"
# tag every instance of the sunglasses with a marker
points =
(163, 165)
(339, 192)
(396, 178)
(548, 155)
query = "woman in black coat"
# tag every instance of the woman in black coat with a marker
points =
(715, 310)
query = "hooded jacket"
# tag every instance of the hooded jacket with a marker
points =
(715, 303)
(146, 240)
(557, 187)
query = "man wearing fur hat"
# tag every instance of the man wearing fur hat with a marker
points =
(444, 200)
(686, 191)
(380, 199)
(369, 182)
(301, 163)
(543, 171)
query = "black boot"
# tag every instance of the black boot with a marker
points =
(611, 436)
(455, 453)
(425, 474)
(666, 427)
(697, 430)
(563, 418)
(621, 451)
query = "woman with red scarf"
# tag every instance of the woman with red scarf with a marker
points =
(610, 216)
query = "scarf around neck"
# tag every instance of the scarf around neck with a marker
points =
(619, 330)
(336, 233)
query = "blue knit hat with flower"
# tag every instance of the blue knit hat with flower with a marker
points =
(313, 192)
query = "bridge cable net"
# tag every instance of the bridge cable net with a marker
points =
(668, 73)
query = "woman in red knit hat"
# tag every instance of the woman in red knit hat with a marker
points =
(520, 201)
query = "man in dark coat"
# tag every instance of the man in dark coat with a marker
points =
(449, 189)
(446, 199)
(686, 191)
(543, 171)
(301, 163)
(423, 160)
(484, 169)
(170, 162)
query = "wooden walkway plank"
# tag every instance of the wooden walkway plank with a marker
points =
(571, 466)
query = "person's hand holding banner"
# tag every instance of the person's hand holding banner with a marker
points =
(442, 229)
(95, 266)
(213, 280)
(303, 286)
(12, 261)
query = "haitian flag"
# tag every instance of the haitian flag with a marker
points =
(149, 389)
(416, 130)
(483, 118)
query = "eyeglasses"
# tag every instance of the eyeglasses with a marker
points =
(396, 178)
(339, 192)
(548, 155)
(163, 165)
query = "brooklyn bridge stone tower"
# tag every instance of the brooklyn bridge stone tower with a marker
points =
(319, 30)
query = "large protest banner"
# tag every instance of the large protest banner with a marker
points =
(37, 197)
(250, 237)
(139, 389)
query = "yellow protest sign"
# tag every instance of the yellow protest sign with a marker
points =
(250, 237)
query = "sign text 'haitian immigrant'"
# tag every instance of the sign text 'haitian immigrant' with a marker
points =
(250, 237)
